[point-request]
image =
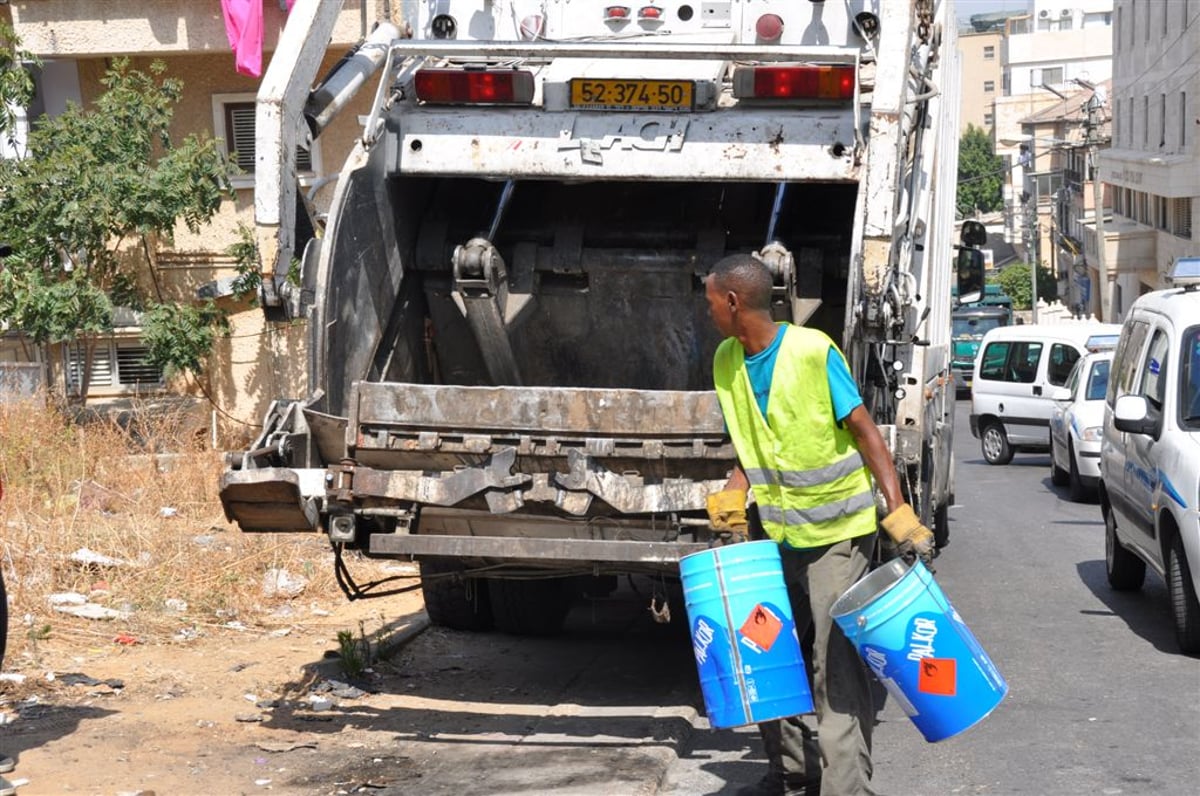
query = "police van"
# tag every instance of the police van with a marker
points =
(1016, 374)
(1150, 453)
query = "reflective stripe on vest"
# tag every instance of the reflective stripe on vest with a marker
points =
(807, 476)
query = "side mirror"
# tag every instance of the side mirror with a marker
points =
(1134, 415)
(1060, 394)
(970, 275)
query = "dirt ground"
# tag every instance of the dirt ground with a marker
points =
(226, 713)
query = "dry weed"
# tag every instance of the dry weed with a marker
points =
(142, 492)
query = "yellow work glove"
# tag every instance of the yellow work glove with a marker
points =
(913, 540)
(727, 514)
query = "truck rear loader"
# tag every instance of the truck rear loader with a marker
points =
(510, 354)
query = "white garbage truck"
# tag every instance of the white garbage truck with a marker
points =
(510, 353)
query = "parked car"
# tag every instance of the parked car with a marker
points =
(1150, 454)
(1015, 371)
(1077, 425)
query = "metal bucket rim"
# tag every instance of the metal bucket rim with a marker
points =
(871, 587)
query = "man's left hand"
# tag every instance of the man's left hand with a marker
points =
(913, 540)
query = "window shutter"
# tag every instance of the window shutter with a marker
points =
(239, 138)
(132, 367)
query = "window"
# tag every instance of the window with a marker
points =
(1015, 362)
(1050, 75)
(989, 119)
(989, 85)
(1126, 358)
(1146, 120)
(1097, 384)
(1183, 121)
(1154, 372)
(989, 53)
(1181, 224)
(233, 121)
(1161, 215)
(1062, 360)
(994, 358)
(1116, 122)
(116, 363)
(1189, 379)
(1162, 120)
(1098, 18)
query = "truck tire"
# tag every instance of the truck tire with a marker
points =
(1184, 604)
(529, 607)
(454, 602)
(941, 526)
(993, 442)
(3, 618)
(1126, 572)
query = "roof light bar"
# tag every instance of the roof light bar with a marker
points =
(794, 82)
(474, 86)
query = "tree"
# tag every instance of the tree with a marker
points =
(980, 174)
(1014, 280)
(84, 211)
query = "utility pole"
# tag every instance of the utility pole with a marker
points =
(1095, 116)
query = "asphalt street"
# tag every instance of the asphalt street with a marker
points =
(1100, 700)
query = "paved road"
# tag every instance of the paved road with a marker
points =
(1100, 701)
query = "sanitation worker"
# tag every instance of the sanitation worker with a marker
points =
(807, 449)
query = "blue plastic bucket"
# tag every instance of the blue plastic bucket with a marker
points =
(743, 634)
(917, 645)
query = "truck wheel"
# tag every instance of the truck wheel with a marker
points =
(453, 601)
(529, 607)
(941, 526)
(1184, 604)
(1058, 476)
(3, 619)
(994, 443)
(1126, 572)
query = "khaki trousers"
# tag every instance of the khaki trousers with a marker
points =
(840, 754)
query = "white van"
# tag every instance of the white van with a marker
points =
(1017, 371)
(1150, 453)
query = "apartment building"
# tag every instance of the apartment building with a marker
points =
(76, 40)
(1153, 167)
(1048, 55)
(982, 77)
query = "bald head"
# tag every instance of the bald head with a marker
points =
(746, 276)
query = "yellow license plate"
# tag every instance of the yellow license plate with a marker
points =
(641, 95)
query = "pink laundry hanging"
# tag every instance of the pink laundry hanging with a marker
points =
(244, 28)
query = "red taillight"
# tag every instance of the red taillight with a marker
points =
(794, 82)
(769, 27)
(457, 86)
(616, 12)
(650, 12)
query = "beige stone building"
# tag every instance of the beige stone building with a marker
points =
(76, 40)
(1153, 167)
(982, 75)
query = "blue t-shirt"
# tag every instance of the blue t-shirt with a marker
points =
(760, 368)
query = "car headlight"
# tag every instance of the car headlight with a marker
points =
(1092, 434)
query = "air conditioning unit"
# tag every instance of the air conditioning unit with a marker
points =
(1066, 12)
(1044, 13)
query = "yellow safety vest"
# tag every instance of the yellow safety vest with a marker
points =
(808, 479)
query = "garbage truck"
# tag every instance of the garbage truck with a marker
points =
(510, 376)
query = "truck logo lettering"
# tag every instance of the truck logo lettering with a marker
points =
(645, 135)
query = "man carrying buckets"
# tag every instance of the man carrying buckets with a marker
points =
(806, 447)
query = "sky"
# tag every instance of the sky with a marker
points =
(963, 9)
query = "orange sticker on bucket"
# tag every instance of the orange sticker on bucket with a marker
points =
(762, 627)
(938, 676)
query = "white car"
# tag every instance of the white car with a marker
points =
(1077, 426)
(1150, 454)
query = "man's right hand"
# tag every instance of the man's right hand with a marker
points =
(727, 515)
